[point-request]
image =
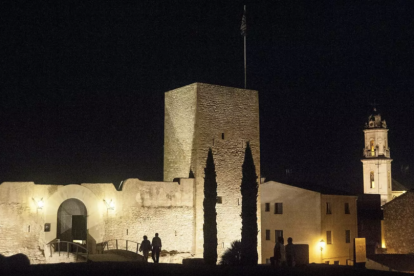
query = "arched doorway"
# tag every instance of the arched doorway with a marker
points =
(72, 221)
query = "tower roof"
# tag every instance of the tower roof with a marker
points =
(374, 120)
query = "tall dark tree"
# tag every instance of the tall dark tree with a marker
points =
(249, 191)
(210, 215)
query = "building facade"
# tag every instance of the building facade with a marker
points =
(197, 117)
(32, 215)
(202, 116)
(308, 217)
(399, 224)
(376, 159)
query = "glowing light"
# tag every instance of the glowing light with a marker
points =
(109, 205)
(39, 203)
(322, 244)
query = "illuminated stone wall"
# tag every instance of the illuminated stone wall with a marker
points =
(21, 223)
(146, 208)
(202, 116)
(399, 224)
(141, 208)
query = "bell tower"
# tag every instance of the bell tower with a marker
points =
(376, 158)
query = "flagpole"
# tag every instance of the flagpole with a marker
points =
(245, 64)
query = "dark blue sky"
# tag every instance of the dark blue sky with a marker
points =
(82, 87)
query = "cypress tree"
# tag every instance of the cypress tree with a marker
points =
(249, 192)
(210, 215)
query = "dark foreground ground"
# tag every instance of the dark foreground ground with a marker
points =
(129, 268)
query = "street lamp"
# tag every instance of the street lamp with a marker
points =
(321, 245)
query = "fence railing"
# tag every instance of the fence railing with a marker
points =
(369, 153)
(57, 245)
(119, 244)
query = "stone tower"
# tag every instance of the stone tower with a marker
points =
(376, 159)
(202, 116)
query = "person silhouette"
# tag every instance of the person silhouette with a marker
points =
(145, 247)
(156, 248)
(290, 253)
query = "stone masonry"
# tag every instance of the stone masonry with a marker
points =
(399, 224)
(202, 116)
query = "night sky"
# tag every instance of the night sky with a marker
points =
(82, 85)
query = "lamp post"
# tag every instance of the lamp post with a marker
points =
(321, 245)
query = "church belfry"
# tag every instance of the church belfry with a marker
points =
(376, 158)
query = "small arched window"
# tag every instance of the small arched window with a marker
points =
(372, 182)
(372, 146)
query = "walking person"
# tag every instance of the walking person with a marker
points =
(282, 252)
(156, 248)
(145, 247)
(277, 251)
(290, 253)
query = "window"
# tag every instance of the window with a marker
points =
(328, 208)
(219, 200)
(371, 176)
(267, 207)
(267, 235)
(347, 236)
(328, 237)
(278, 233)
(278, 208)
(347, 208)
(372, 147)
(222, 136)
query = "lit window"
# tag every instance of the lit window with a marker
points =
(219, 200)
(372, 148)
(267, 235)
(328, 208)
(328, 237)
(267, 207)
(347, 208)
(371, 176)
(278, 208)
(347, 236)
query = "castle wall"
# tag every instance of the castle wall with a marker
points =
(21, 223)
(179, 127)
(225, 119)
(141, 208)
(146, 208)
(399, 224)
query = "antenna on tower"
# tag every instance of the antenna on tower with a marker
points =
(374, 105)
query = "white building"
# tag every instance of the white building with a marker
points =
(377, 161)
(308, 217)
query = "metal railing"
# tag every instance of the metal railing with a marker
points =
(369, 153)
(119, 244)
(56, 245)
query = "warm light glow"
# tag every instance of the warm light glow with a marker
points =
(109, 205)
(39, 203)
(322, 244)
